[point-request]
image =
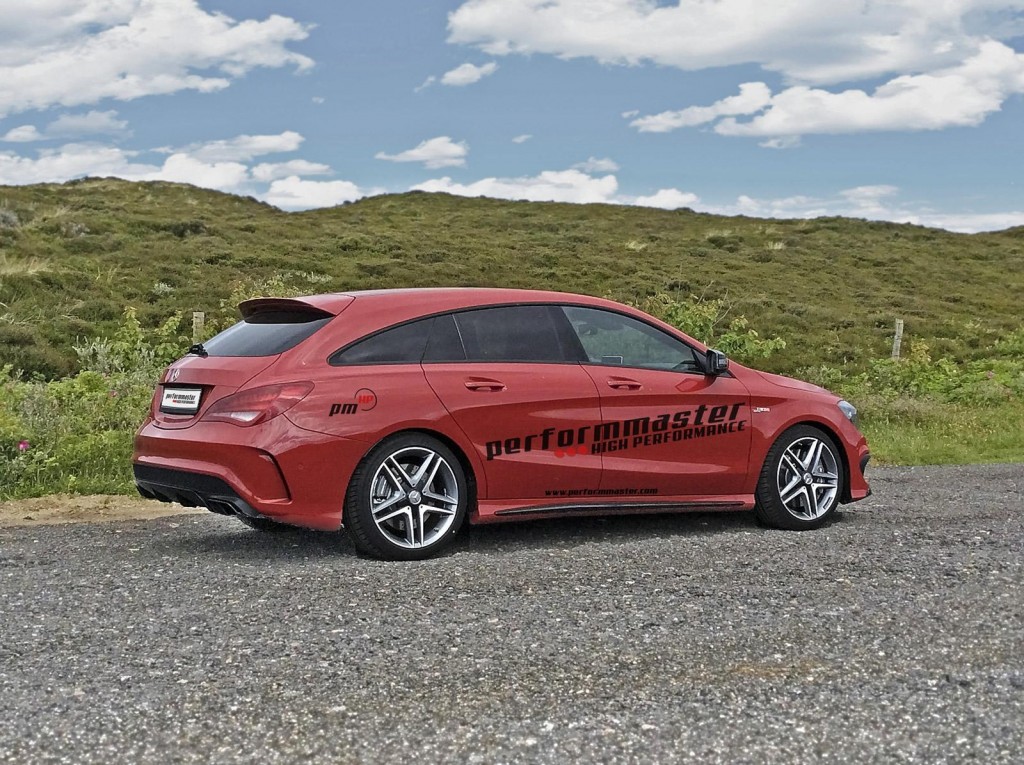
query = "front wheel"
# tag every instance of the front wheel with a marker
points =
(801, 481)
(407, 499)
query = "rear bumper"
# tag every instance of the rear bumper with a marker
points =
(191, 490)
(276, 470)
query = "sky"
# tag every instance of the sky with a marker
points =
(901, 110)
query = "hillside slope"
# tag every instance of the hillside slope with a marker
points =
(73, 255)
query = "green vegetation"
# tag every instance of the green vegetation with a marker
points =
(75, 434)
(814, 299)
(73, 255)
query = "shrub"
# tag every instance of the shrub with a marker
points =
(705, 319)
(8, 218)
(75, 434)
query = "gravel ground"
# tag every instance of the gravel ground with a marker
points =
(894, 635)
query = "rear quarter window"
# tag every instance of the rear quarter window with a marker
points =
(403, 344)
(266, 333)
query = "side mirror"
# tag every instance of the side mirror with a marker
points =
(717, 363)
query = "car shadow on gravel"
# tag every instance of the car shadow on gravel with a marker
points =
(228, 538)
(294, 544)
(616, 529)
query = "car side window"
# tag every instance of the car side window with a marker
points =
(445, 344)
(618, 340)
(510, 333)
(403, 344)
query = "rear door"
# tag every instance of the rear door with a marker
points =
(665, 424)
(510, 380)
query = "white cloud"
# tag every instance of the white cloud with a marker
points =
(968, 223)
(548, 186)
(272, 171)
(72, 126)
(781, 142)
(244, 147)
(753, 97)
(70, 161)
(522, 138)
(853, 40)
(183, 168)
(426, 84)
(668, 199)
(467, 74)
(433, 153)
(68, 53)
(294, 193)
(595, 165)
(89, 123)
(23, 134)
(874, 202)
(959, 96)
(942, 63)
(221, 165)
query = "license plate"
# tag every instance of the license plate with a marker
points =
(180, 400)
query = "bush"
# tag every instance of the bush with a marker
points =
(705, 320)
(75, 434)
(8, 218)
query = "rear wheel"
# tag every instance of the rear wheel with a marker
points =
(801, 481)
(407, 499)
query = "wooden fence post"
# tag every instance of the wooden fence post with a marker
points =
(897, 339)
(198, 320)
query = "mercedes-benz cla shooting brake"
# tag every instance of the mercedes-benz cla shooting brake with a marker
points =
(401, 414)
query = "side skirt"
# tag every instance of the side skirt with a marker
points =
(505, 511)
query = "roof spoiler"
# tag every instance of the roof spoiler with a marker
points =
(255, 306)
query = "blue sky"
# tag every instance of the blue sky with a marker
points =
(906, 110)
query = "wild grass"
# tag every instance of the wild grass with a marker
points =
(943, 433)
(29, 266)
(833, 291)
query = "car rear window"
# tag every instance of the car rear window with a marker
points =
(266, 333)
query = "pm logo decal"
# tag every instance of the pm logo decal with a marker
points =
(365, 400)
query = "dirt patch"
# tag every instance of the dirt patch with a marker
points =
(64, 508)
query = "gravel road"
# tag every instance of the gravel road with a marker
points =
(894, 635)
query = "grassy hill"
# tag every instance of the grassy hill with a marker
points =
(72, 256)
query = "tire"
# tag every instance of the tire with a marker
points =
(801, 481)
(264, 524)
(407, 499)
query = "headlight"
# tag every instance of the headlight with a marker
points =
(849, 410)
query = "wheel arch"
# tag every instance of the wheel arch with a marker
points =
(843, 458)
(460, 455)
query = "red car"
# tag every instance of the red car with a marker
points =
(399, 414)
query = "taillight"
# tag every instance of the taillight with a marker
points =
(251, 407)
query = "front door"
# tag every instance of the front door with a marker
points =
(667, 428)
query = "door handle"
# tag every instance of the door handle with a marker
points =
(623, 383)
(482, 384)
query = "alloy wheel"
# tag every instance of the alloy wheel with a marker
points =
(808, 478)
(414, 497)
